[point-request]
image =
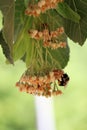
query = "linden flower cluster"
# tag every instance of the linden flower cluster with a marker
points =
(41, 7)
(46, 34)
(55, 45)
(47, 37)
(42, 85)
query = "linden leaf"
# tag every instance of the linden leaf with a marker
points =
(60, 56)
(64, 10)
(77, 31)
(5, 48)
(7, 8)
(19, 18)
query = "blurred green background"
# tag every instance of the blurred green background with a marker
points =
(17, 110)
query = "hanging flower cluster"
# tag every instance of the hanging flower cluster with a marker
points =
(46, 85)
(41, 6)
(54, 45)
(49, 37)
(41, 78)
(46, 34)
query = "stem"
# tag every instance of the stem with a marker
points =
(32, 53)
(74, 5)
(46, 57)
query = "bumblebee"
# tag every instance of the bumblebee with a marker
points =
(63, 80)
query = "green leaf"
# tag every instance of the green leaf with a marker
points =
(1, 20)
(64, 10)
(19, 49)
(19, 17)
(61, 56)
(5, 48)
(29, 52)
(77, 31)
(21, 30)
(26, 2)
(22, 41)
(7, 8)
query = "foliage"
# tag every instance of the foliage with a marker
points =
(77, 31)
(20, 37)
(7, 8)
(6, 49)
(70, 14)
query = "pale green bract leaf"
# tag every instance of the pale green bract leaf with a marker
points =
(22, 40)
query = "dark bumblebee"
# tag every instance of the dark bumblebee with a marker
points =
(64, 79)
